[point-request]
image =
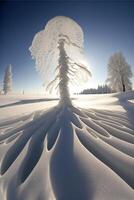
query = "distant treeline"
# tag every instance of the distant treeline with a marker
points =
(102, 89)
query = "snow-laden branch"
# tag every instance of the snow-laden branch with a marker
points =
(58, 52)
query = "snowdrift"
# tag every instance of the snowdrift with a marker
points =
(80, 152)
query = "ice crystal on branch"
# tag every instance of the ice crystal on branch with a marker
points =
(58, 52)
(119, 73)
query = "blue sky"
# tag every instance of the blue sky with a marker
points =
(108, 28)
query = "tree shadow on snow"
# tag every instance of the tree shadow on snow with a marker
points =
(128, 106)
(105, 134)
(28, 101)
(54, 125)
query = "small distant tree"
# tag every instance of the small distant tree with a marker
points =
(0, 88)
(0, 91)
(7, 86)
(119, 73)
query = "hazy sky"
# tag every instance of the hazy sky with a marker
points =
(108, 27)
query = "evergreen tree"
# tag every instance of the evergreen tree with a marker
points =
(59, 56)
(7, 86)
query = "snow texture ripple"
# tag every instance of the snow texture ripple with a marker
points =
(66, 153)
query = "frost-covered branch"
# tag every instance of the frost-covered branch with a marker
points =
(119, 73)
(58, 51)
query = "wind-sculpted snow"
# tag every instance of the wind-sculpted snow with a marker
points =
(67, 153)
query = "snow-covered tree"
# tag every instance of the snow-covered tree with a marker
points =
(7, 86)
(0, 91)
(58, 51)
(119, 73)
(0, 88)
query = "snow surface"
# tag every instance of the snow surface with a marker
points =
(80, 152)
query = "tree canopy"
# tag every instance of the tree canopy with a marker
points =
(119, 73)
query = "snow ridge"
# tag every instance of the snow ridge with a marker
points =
(76, 152)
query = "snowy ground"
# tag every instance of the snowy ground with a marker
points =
(83, 152)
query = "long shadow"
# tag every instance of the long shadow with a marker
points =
(68, 180)
(67, 177)
(128, 106)
(28, 101)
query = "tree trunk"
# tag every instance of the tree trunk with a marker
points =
(63, 75)
(123, 85)
(124, 89)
